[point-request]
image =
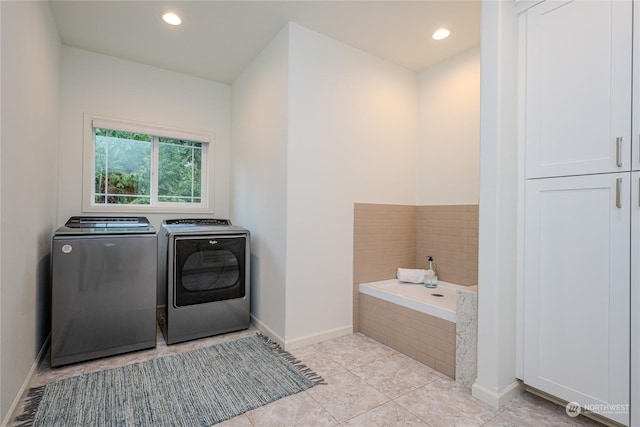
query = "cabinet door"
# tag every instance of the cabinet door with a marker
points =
(635, 134)
(576, 290)
(578, 85)
(635, 299)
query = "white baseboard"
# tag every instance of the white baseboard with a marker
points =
(12, 412)
(497, 399)
(302, 341)
(267, 331)
(318, 337)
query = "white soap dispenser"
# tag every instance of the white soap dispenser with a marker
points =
(431, 275)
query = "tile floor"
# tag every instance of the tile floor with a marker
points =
(368, 384)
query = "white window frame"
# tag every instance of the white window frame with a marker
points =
(88, 166)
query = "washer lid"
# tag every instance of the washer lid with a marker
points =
(106, 225)
(106, 221)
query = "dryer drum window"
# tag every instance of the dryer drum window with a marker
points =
(209, 269)
(206, 270)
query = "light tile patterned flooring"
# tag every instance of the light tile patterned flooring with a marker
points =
(368, 384)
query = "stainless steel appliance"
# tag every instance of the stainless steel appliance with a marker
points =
(203, 278)
(104, 279)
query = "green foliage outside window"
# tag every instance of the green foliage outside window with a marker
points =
(179, 171)
(123, 163)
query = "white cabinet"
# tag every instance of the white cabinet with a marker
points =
(635, 299)
(578, 85)
(635, 132)
(580, 268)
(635, 227)
(576, 336)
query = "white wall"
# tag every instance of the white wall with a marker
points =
(29, 137)
(449, 131)
(352, 138)
(259, 181)
(317, 126)
(107, 86)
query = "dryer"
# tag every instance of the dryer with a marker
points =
(203, 278)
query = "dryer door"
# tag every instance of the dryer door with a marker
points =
(209, 268)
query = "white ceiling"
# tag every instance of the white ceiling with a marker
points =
(218, 39)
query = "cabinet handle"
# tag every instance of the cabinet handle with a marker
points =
(639, 192)
(618, 191)
(619, 151)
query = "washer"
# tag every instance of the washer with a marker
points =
(203, 271)
(104, 279)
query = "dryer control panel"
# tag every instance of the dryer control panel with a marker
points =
(197, 221)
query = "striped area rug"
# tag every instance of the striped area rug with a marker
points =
(197, 388)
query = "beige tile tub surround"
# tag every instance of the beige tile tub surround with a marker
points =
(450, 235)
(422, 337)
(386, 237)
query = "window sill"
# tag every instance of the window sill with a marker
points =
(145, 209)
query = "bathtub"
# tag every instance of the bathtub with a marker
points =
(438, 302)
(422, 323)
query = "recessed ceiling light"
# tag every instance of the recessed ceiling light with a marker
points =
(440, 34)
(171, 18)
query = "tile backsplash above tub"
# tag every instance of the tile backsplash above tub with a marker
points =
(449, 234)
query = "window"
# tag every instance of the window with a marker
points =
(138, 167)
